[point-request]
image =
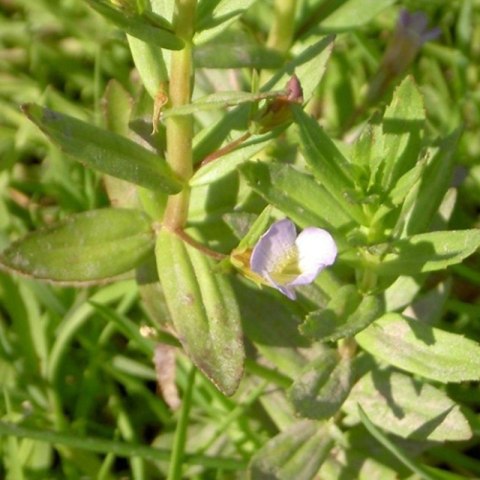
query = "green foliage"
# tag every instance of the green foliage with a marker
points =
(86, 247)
(204, 311)
(159, 140)
(420, 349)
(105, 151)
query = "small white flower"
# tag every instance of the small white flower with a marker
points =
(286, 260)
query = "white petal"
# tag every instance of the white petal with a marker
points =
(316, 250)
(273, 246)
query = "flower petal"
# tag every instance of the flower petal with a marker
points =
(285, 289)
(273, 246)
(316, 250)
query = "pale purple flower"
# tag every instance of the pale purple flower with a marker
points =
(415, 26)
(286, 260)
(410, 34)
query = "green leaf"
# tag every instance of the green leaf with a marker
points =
(347, 313)
(408, 408)
(231, 54)
(86, 247)
(214, 17)
(392, 448)
(323, 386)
(421, 349)
(402, 127)
(435, 181)
(368, 148)
(230, 162)
(297, 453)
(296, 194)
(139, 26)
(279, 327)
(428, 252)
(309, 64)
(220, 100)
(328, 164)
(204, 311)
(150, 63)
(257, 229)
(353, 14)
(105, 151)
(117, 105)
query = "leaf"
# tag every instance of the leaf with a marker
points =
(150, 63)
(229, 54)
(230, 162)
(392, 448)
(323, 386)
(408, 408)
(85, 247)
(279, 327)
(296, 194)
(256, 230)
(428, 252)
(214, 17)
(329, 166)
(117, 106)
(220, 100)
(402, 123)
(104, 151)
(309, 64)
(421, 349)
(297, 453)
(435, 181)
(347, 313)
(139, 26)
(353, 14)
(204, 311)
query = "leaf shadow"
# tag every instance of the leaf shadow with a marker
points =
(425, 430)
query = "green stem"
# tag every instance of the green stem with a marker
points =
(177, 460)
(180, 128)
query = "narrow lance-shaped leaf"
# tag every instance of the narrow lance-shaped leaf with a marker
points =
(428, 252)
(239, 54)
(406, 407)
(435, 181)
(328, 164)
(402, 125)
(229, 162)
(421, 349)
(297, 453)
(214, 17)
(139, 26)
(323, 386)
(203, 309)
(297, 195)
(354, 13)
(117, 106)
(84, 248)
(309, 65)
(150, 63)
(105, 151)
(346, 314)
(220, 100)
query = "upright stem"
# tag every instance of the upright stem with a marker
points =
(180, 128)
